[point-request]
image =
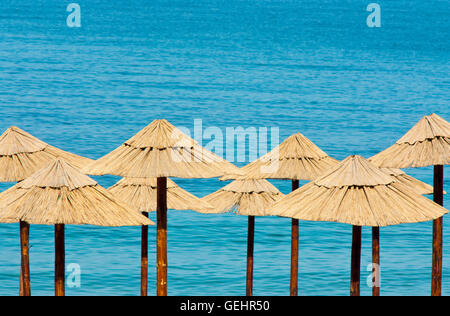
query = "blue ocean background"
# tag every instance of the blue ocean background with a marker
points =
(302, 66)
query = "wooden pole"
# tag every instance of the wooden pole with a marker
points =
(144, 259)
(436, 280)
(356, 262)
(25, 259)
(294, 249)
(376, 261)
(59, 260)
(21, 278)
(250, 248)
(161, 242)
(21, 293)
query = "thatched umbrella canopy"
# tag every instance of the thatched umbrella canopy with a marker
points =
(160, 151)
(358, 193)
(426, 144)
(21, 155)
(245, 197)
(296, 158)
(61, 195)
(141, 194)
(420, 187)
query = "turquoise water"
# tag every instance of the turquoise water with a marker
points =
(308, 66)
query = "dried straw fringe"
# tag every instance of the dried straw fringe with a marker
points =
(91, 205)
(161, 150)
(245, 197)
(60, 194)
(141, 194)
(420, 187)
(427, 143)
(422, 154)
(295, 158)
(357, 193)
(22, 154)
(376, 206)
(429, 127)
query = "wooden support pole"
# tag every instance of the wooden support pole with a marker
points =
(60, 260)
(21, 276)
(436, 279)
(144, 259)
(294, 249)
(356, 262)
(376, 261)
(25, 259)
(250, 248)
(161, 240)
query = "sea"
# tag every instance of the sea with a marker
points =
(275, 66)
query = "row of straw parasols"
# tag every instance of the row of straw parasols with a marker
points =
(53, 190)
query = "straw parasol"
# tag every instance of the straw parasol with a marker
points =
(296, 158)
(21, 155)
(356, 192)
(160, 151)
(141, 194)
(426, 144)
(61, 195)
(245, 197)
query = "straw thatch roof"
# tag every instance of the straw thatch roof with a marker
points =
(161, 150)
(415, 184)
(245, 197)
(7, 220)
(141, 194)
(22, 154)
(358, 193)
(296, 158)
(60, 194)
(426, 144)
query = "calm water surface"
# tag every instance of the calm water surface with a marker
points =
(308, 66)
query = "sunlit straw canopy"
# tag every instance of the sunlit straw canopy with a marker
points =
(22, 154)
(358, 193)
(245, 197)
(426, 144)
(296, 158)
(415, 184)
(60, 194)
(141, 194)
(161, 150)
